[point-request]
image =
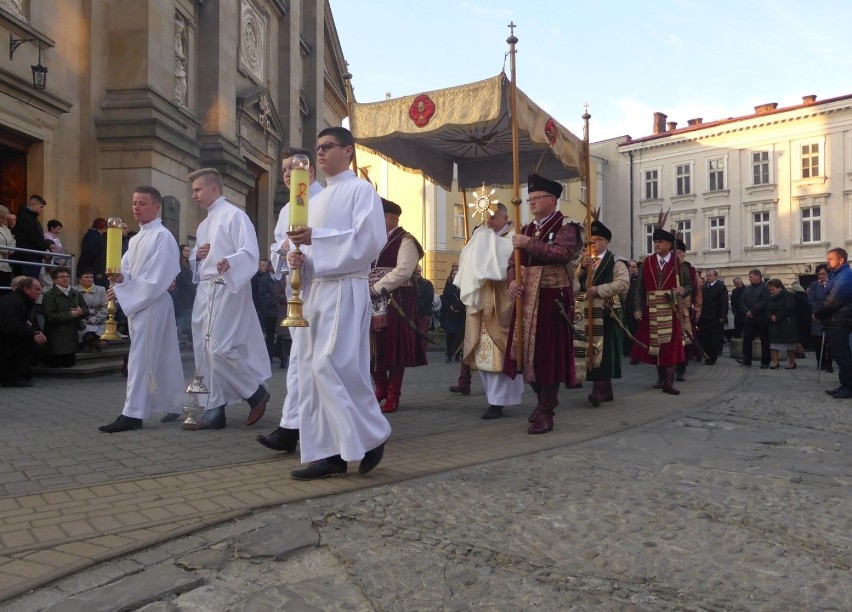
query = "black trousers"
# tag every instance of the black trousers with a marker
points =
(822, 351)
(838, 340)
(753, 329)
(16, 357)
(710, 335)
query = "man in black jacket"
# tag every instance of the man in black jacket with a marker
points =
(18, 337)
(714, 313)
(756, 324)
(29, 234)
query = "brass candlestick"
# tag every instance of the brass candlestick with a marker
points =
(111, 325)
(294, 304)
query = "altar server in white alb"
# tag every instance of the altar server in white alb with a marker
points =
(148, 268)
(483, 287)
(234, 362)
(339, 417)
(286, 435)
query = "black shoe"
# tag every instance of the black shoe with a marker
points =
(371, 459)
(709, 362)
(764, 366)
(843, 394)
(122, 423)
(493, 412)
(449, 360)
(320, 469)
(634, 362)
(829, 370)
(170, 417)
(743, 363)
(281, 440)
(833, 391)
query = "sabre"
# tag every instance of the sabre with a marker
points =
(617, 319)
(405, 318)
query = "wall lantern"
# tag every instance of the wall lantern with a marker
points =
(39, 71)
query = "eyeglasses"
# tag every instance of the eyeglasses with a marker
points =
(535, 199)
(328, 146)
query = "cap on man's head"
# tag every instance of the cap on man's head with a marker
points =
(391, 207)
(536, 182)
(680, 245)
(661, 234)
(600, 230)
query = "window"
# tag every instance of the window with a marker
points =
(810, 160)
(761, 228)
(716, 168)
(811, 230)
(683, 185)
(760, 168)
(717, 233)
(652, 184)
(458, 221)
(582, 192)
(684, 232)
(649, 238)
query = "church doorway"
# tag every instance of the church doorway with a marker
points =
(13, 170)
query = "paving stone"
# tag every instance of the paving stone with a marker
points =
(134, 591)
(208, 558)
(277, 540)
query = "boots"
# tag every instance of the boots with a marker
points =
(598, 390)
(680, 370)
(668, 381)
(548, 400)
(606, 391)
(493, 412)
(394, 390)
(543, 421)
(380, 379)
(534, 414)
(463, 385)
(661, 375)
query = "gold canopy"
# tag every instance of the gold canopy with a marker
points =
(469, 125)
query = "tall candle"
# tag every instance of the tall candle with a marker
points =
(299, 180)
(113, 250)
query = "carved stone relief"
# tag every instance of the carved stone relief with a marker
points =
(180, 61)
(16, 7)
(252, 42)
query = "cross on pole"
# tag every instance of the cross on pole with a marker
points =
(512, 27)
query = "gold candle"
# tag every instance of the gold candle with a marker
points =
(113, 250)
(300, 178)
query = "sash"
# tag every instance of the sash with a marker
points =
(581, 347)
(379, 318)
(536, 278)
(660, 322)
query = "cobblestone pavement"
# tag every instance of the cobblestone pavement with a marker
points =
(733, 496)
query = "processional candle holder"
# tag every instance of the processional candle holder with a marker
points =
(192, 406)
(299, 180)
(113, 269)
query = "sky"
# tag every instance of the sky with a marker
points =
(625, 58)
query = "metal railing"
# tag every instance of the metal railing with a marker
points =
(72, 260)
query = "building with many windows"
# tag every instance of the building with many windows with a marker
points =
(770, 190)
(141, 92)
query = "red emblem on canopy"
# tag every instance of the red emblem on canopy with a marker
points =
(421, 110)
(550, 130)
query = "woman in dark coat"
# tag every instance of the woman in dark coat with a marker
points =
(803, 319)
(452, 315)
(64, 310)
(782, 324)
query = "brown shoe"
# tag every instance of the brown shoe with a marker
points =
(256, 413)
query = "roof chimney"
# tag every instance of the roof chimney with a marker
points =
(671, 126)
(660, 123)
(765, 108)
(697, 121)
(809, 99)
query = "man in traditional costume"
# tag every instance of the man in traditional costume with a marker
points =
(232, 361)
(148, 269)
(397, 345)
(690, 311)
(655, 303)
(548, 245)
(610, 281)
(483, 285)
(339, 417)
(286, 435)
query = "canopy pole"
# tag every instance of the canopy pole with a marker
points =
(590, 326)
(347, 77)
(464, 210)
(516, 197)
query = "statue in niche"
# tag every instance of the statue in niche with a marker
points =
(16, 7)
(180, 61)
